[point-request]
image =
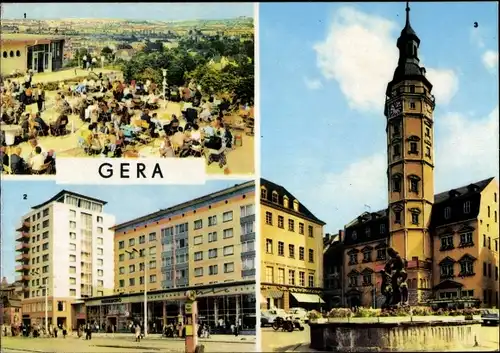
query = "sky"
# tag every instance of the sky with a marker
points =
(324, 71)
(124, 202)
(130, 11)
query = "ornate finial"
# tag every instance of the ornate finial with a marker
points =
(407, 13)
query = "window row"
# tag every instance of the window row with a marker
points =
(291, 250)
(99, 240)
(396, 126)
(466, 266)
(413, 186)
(447, 241)
(275, 199)
(213, 253)
(398, 215)
(88, 259)
(368, 231)
(280, 279)
(487, 242)
(367, 255)
(132, 281)
(141, 240)
(291, 224)
(35, 249)
(413, 148)
(213, 236)
(37, 216)
(131, 268)
(214, 269)
(36, 227)
(81, 203)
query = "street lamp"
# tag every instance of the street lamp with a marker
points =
(146, 265)
(164, 88)
(38, 274)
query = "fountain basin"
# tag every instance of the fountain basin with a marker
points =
(423, 336)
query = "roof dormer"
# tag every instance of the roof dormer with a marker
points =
(275, 197)
(453, 193)
(285, 201)
(473, 188)
(263, 193)
(296, 205)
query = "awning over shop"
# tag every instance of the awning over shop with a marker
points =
(275, 294)
(308, 298)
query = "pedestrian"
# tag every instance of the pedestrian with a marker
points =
(84, 59)
(88, 332)
(39, 97)
(65, 332)
(137, 333)
(55, 331)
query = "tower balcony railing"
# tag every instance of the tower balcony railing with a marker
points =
(22, 235)
(23, 257)
(22, 247)
(22, 267)
(23, 226)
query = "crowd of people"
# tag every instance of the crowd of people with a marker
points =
(116, 119)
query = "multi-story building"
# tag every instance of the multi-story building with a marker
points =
(206, 245)
(291, 251)
(65, 253)
(333, 254)
(422, 227)
(10, 304)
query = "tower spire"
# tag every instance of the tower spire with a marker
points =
(407, 13)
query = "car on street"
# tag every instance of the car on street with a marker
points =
(300, 314)
(267, 317)
(490, 316)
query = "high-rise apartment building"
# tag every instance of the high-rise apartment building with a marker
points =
(206, 245)
(65, 252)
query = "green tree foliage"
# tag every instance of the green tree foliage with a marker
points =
(194, 58)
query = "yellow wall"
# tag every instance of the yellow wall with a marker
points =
(10, 64)
(233, 204)
(277, 234)
(483, 226)
(35, 308)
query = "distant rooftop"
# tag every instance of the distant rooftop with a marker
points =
(28, 38)
(70, 193)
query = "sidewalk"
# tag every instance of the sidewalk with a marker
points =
(157, 336)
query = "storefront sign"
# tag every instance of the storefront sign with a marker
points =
(111, 300)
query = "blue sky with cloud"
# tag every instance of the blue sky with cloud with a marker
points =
(134, 11)
(124, 202)
(324, 71)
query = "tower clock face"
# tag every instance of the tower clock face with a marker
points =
(395, 109)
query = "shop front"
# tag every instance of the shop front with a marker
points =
(219, 306)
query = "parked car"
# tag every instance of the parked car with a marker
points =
(490, 316)
(267, 317)
(300, 314)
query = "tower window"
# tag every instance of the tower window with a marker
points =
(414, 185)
(414, 218)
(412, 89)
(428, 151)
(412, 105)
(396, 129)
(447, 212)
(427, 132)
(396, 150)
(397, 217)
(413, 148)
(396, 184)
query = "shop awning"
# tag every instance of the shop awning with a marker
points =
(275, 294)
(308, 298)
(263, 299)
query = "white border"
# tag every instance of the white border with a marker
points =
(257, 158)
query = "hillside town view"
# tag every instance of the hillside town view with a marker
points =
(126, 88)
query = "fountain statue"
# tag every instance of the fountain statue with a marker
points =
(394, 276)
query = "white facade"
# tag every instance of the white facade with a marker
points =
(78, 231)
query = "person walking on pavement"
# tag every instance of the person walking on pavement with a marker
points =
(88, 332)
(55, 331)
(65, 332)
(137, 333)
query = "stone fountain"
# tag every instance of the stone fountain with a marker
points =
(394, 333)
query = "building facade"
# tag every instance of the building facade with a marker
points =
(449, 240)
(291, 251)
(206, 245)
(10, 305)
(333, 255)
(21, 52)
(64, 247)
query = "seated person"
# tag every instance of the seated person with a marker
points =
(40, 124)
(58, 128)
(179, 141)
(50, 161)
(166, 148)
(37, 162)
(17, 163)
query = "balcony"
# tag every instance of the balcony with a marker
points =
(22, 236)
(22, 267)
(247, 237)
(23, 257)
(248, 273)
(248, 254)
(23, 247)
(23, 278)
(24, 226)
(247, 219)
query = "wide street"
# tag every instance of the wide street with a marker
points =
(120, 343)
(298, 341)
